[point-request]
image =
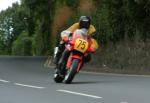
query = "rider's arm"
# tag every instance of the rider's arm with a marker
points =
(73, 27)
(65, 35)
(68, 32)
(91, 30)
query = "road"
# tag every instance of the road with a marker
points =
(25, 80)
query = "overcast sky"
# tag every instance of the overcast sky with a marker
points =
(5, 3)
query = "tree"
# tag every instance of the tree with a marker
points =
(11, 25)
(42, 12)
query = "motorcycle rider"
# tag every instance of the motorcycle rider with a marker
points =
(84, 23)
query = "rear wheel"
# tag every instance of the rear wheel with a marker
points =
(72, 71)
(57, 77)
(60, 71)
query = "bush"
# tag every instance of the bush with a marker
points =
(22, 46)
(2, 48)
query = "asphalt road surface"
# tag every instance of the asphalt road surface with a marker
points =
(25, 80)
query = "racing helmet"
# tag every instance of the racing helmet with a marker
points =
(84, 22)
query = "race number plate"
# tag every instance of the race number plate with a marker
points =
(81, 45)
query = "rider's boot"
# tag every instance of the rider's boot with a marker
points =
(63, 61)
(58, 52)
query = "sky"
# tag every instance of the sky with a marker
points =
(4, 4)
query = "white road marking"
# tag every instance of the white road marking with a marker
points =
(5, 81)
(31, 86)
(123, 102)
(77, 93)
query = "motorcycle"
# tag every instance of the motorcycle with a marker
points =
(72, 60)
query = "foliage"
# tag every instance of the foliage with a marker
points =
(116, 19)
(42, 11)
(72, 3)
(22, 46)
(2, 47)
(113, 19)
(11, 25)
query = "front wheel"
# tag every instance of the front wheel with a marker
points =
(72, 71)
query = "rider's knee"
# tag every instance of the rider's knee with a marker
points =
(87, 58)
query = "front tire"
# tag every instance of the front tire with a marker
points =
(72, 71)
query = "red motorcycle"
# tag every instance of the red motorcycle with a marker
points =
(72, 60)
